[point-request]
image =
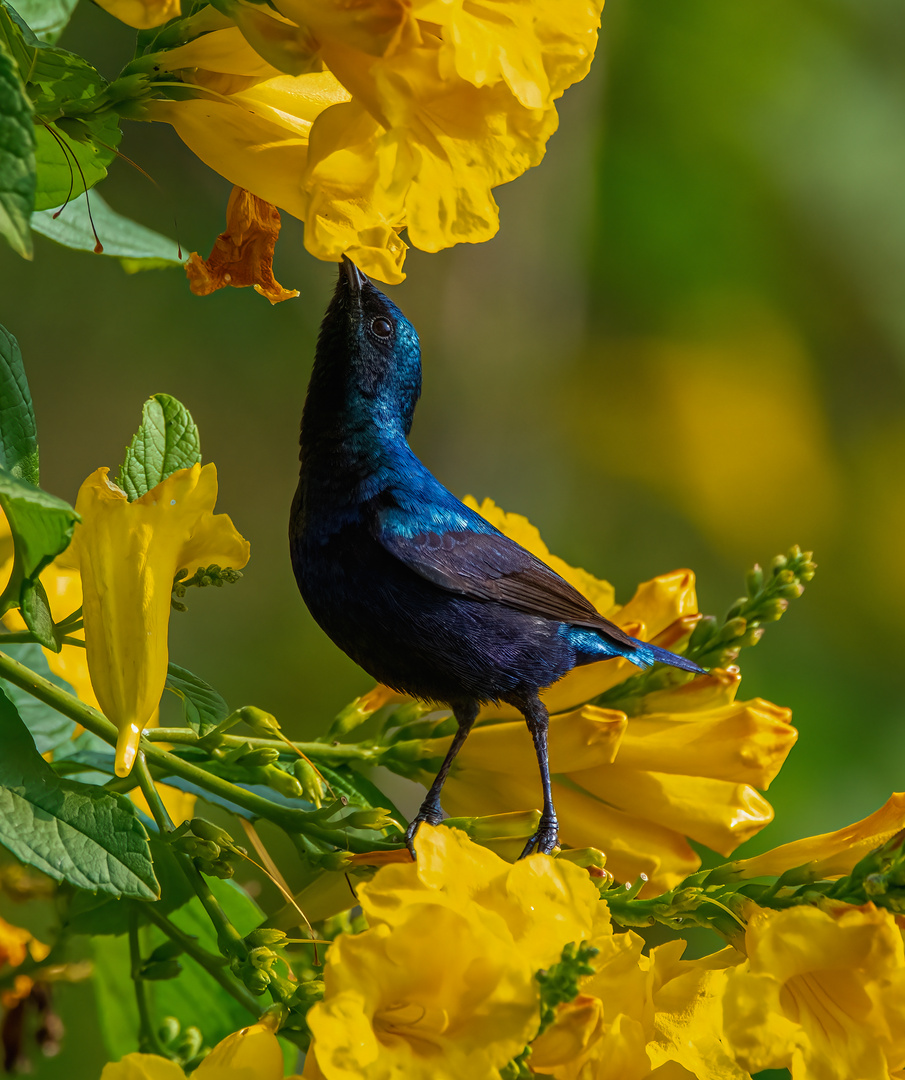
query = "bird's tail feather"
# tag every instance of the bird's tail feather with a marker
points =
(648, 654)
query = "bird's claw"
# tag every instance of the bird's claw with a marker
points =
(432, 815)
(545, 841)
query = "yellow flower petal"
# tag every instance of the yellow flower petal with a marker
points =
(142, 14)
(537, 49)
(823, 993)
(128, 555)
(830, 854)
(250, 1054)
(143, 1067)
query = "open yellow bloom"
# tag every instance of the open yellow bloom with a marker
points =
(822, 994)
(128, 554)
(440, 103)
(442, 984)
(637, 1014)
(250, 1054)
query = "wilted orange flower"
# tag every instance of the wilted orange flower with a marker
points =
(243, 254)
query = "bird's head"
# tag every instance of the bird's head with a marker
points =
(367, 341)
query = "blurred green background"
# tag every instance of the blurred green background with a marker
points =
(686, 347)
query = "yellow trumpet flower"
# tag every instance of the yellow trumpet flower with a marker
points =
(128, 554)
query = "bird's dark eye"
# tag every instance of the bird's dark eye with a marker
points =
(381, 327)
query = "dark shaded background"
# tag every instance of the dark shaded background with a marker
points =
(685, 348)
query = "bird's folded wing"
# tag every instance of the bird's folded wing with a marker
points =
(490, 566)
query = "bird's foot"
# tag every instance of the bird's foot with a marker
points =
(433, 815)
(545, 841)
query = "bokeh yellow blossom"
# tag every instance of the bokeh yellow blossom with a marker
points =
(142, 14)
(64, 594)
(128, 554)
(822, 993)
(250, 1054)
(438, 104)
(442, 984)
(16, 945)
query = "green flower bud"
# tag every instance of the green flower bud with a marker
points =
(262, 723)
(189, 1044)
(207, 830)
(283, 782)
(375, 818)
(169, 1030)
(754, 580)
(264, 755)
(773, 610)
(312, 785)
(257, 981)
(265, 936)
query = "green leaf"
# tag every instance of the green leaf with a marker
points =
(88, 914)
(166, 442)
(17, 157)
(47, 18)
(76, 131)
(194, 997)
(18, 434)
(138, 248)
(48, 728)
(41, 525)
(358, 789)
(72, 155)
(204, 707)
(85, 835)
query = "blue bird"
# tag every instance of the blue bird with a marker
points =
(418, 589)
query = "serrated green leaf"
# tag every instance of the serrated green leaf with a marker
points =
(75, 131)
(41, 526)
(47, 18)
(137, 248)
(85, 835)
(166, 442)
(204, 707)
(18, 434)
(18, 167)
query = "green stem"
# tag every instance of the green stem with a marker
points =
(290, 819)
(21, 637)
(147, 1036)
(152, 795)
(321, 751)
(212, 964)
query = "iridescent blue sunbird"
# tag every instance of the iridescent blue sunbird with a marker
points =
(417, 588)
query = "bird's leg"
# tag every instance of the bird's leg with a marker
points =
(546, 839)
(431, 811)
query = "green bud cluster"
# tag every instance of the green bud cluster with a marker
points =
(313, 787)
(715, 645)
(558, 985)
(211, 848)
(217, 576)
(254, 962)
(183, 1046)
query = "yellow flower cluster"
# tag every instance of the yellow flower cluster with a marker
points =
(441, 983)
(369, 118)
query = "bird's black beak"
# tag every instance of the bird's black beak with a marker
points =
(355, 278)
